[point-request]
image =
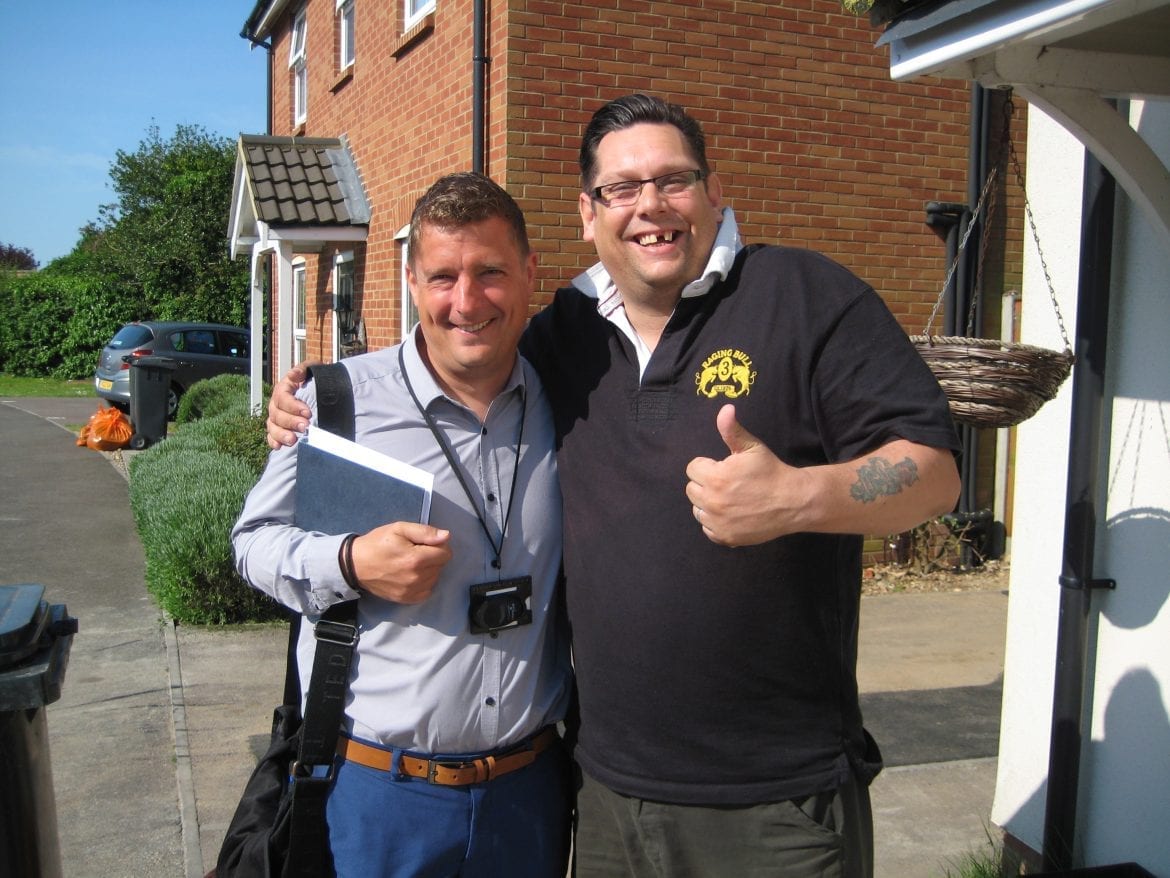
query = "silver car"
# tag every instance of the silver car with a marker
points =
(199, 351)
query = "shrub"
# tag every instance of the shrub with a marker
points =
(238, 435)
(221, 395)
(186, 494)
(54, 325)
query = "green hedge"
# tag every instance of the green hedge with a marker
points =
(221, 395)
(55, 324)
(186, 493)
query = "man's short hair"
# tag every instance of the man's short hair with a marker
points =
(463, 199)
(636, 109)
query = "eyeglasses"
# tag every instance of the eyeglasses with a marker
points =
(626, 192)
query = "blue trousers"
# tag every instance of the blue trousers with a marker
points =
(386, 825)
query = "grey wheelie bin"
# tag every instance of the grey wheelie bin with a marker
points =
(34, 649)
(150, 391)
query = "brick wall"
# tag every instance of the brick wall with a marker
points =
(816, 147)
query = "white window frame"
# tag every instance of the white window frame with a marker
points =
(346, 19)
(300, 310)
(408, 311)
(413, 12)
(340, 261)
(298, 64)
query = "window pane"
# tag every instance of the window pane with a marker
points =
(415, 9)
(234, 344)
(299, 299)
(131, 336)
(199, 341)
(296, 49)
(300, 98)
(347, 33)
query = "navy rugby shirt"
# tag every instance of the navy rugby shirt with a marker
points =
(709, 675)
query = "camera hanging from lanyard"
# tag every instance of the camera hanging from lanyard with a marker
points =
(495, 606)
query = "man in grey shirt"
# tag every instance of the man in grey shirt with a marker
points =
(441, 700)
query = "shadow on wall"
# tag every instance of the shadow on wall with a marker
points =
(1126, 773)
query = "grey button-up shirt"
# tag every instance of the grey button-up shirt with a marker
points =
(421, 681)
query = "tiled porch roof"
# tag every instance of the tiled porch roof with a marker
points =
(302, 181)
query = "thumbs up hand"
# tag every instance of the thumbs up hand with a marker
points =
(748, 497)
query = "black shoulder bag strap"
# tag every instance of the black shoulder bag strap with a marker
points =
(336, 634)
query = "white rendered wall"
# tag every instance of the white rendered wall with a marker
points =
(1124, 805)
(1125, 774)
(1055, 165)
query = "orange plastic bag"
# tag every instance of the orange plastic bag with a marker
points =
(109, 429)
(83, 436)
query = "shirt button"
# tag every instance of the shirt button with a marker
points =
(491, 498)
(489, 701)
(496, 563)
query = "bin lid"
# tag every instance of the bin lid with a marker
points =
(154, 362)
(23, 614)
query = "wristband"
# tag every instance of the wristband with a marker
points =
(345, 562)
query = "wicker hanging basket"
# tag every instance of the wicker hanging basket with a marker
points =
(989, 382)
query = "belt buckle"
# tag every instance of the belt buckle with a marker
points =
(433, 766)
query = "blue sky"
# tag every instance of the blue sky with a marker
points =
(80, 80)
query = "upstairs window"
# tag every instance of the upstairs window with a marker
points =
(415, 10)
(296, 62)
(345, 23)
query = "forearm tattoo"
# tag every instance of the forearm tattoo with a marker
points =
(879, 477)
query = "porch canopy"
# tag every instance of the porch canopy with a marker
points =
(1067, 57)
(291, 195)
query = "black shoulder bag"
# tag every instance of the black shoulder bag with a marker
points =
(279, 828)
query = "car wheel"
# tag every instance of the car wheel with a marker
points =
(173, 401)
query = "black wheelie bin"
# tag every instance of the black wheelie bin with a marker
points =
(150, 391)
(35, 639)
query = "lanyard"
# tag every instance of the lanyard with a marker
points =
(458, 470)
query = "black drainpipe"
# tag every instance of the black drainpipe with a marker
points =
(965, 292)
(1080, 520)
(478, 87)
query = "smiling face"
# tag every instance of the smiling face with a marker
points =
(472, 286)
(657, 245)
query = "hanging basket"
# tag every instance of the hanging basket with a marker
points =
(992, 383)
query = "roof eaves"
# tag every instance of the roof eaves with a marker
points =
(259, 24)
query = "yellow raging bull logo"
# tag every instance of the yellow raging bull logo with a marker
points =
(728, 372)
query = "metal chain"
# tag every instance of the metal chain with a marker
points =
(959, 252)
(984, 241)
(1008, 109)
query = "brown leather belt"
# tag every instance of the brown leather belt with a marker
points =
(450, 772)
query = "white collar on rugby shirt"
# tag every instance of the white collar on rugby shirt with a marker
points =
(597, 284)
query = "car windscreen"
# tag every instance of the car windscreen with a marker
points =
(130, 336)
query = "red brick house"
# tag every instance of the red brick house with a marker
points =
(370, 101)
